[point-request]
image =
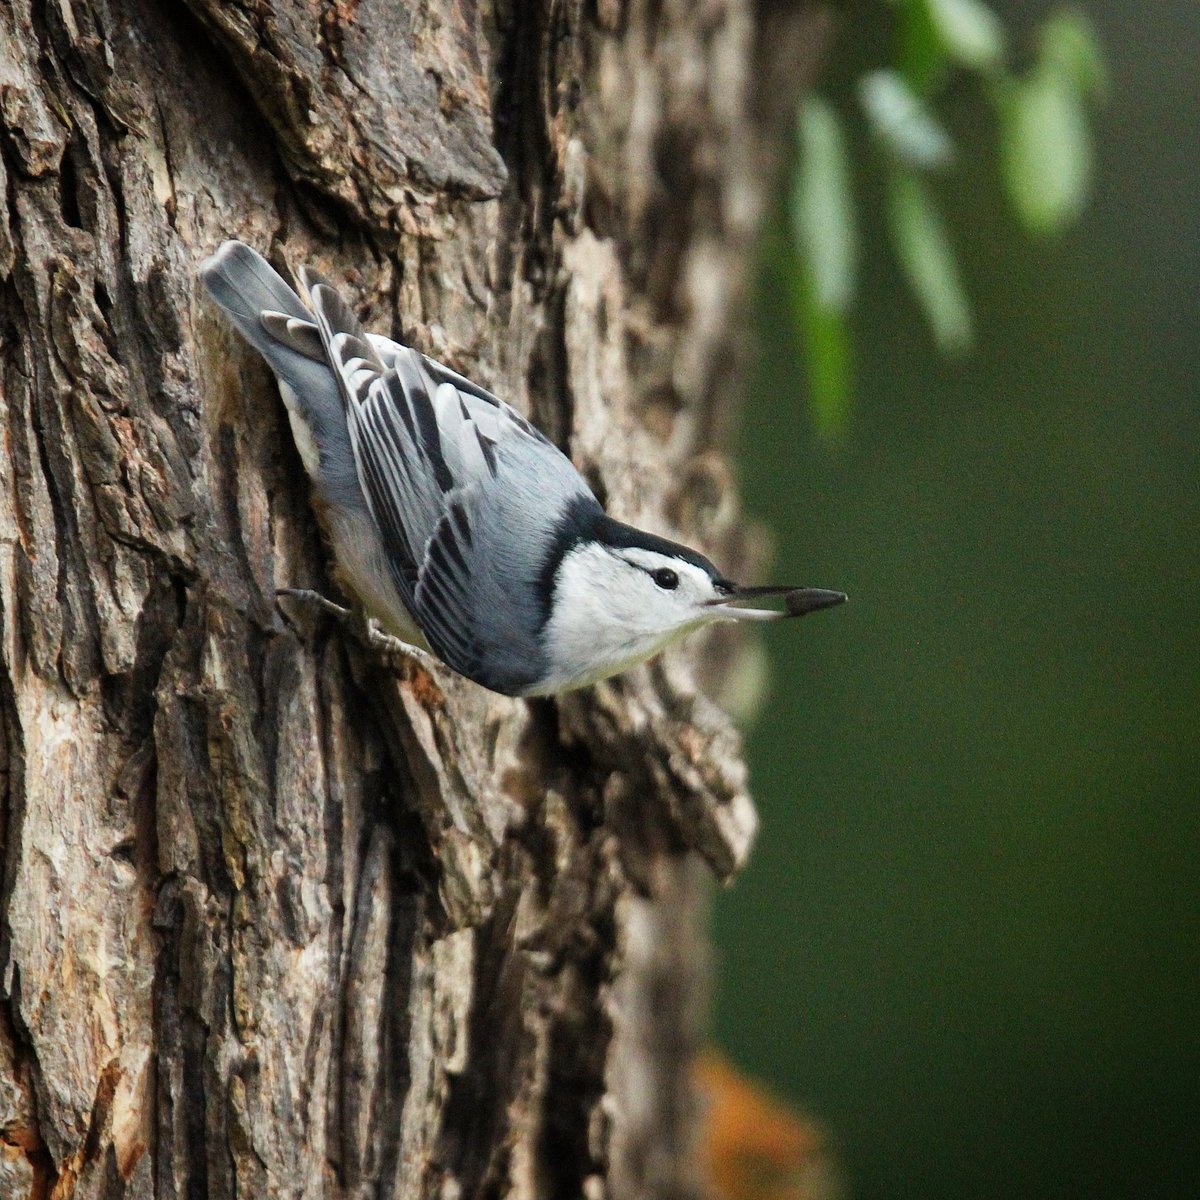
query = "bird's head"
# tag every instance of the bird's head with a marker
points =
(621, 595)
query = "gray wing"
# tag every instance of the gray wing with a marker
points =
(467, 494)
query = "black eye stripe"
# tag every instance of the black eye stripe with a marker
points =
(665, 578)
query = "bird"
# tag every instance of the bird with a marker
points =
(456, 524)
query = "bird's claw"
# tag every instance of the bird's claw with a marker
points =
(364, 629)
(316, 600)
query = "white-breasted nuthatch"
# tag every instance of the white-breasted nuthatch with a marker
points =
(458, 525)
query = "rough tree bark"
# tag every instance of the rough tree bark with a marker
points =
(279, 918)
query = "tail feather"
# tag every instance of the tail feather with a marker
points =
(269, 314)
(243, 283)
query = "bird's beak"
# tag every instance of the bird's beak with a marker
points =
(796, 602)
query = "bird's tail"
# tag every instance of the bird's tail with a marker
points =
(269, 314)
(245, 285)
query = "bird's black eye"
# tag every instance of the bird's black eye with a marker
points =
(665, 578)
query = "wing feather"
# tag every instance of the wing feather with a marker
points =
(301, 336)
(446, 601)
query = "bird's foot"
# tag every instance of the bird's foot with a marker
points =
(386, 643)
(316, 600)
(364, 629)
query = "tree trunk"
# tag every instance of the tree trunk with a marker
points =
(279, 918)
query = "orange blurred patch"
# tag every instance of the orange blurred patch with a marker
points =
(756, 1146)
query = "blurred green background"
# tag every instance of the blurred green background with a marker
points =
(969, 938)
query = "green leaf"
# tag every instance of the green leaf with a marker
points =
(823, 207)
(903, 122)
(1069, 43)
(921, 54)
(1046, 149)
(971, 33)
(826, 240)
(925, 253)
(828, 359)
